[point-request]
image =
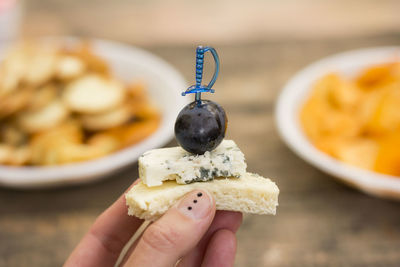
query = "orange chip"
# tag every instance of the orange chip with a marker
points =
(357, 120)
(388, 157)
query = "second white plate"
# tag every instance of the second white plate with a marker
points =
(295, 93)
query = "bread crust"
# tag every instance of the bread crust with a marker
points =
(249, 194)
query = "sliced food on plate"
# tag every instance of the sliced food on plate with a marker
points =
(62, 104)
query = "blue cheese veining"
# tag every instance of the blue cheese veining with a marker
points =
(158, 165)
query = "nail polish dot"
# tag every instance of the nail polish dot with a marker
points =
(189, 208)
(199, 194)
(195, 201)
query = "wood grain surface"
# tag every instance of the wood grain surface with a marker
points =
(319, 222)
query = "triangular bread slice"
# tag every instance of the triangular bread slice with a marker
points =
(250, 193)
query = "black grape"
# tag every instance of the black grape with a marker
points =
(200, 126)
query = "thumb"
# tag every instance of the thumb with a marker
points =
(176, 233)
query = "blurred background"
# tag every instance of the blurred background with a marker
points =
(261, 43)
(170, 23)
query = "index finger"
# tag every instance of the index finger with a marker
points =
(104, 241)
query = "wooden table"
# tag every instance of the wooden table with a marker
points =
(320, 222)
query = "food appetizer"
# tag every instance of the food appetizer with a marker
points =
(204, 160)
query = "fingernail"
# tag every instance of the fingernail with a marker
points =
(196, 204)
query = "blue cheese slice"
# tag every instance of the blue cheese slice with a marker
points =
(174, 163)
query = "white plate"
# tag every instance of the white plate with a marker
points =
(165, 85)
(295, 93)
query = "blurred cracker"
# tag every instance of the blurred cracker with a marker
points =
(93, 94)
(69, 152)
(20, 156)
(42, 97)
(15, 102)
(147, 111)
(70, 131)
(42, 65)
(11, 135)
(139, 102)
(137, 91)
(6, 152)
(134, 132)
(81, 152)
(107, 142)
(45, 145)
(94, 63)
(15, 156)
(13, 68)
(106, 120)
(51, 115)
(69, 67)
(143, 108)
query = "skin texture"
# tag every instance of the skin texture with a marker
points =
(195, 236)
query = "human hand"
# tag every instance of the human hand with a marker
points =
(190, 232)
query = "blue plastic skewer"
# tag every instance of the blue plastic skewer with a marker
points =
(198, 88)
